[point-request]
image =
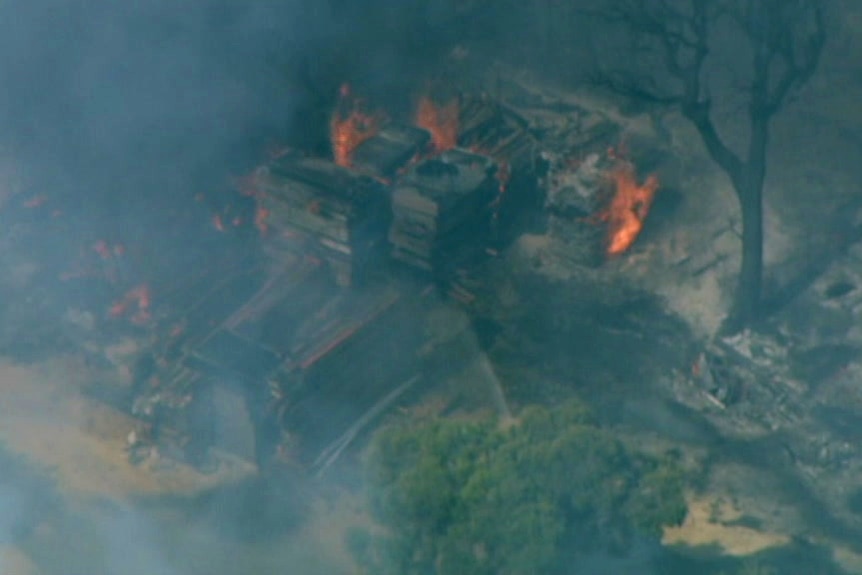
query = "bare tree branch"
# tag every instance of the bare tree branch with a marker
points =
(640, 89)
(786, 38)
(680, 30)
(800, 55)
(726, 158)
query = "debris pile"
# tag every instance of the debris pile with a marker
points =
(574, 202)
(307, 359)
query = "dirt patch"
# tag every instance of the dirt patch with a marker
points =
(13, 561)
(718, 522)
(44, 418)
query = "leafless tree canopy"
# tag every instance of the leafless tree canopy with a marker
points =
(784, 37)
(774, 44)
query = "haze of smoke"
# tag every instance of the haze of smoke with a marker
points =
(122, 112)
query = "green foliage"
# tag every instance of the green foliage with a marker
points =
(488, 497)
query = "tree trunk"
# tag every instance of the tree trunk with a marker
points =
(747, 298)
(748, 184)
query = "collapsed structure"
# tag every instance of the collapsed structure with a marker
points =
(318, 332)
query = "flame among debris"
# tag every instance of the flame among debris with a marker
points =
(628, 209)
(350, 126)
(440, 120)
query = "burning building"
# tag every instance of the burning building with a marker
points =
(316, 334)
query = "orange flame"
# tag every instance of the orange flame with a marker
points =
(440, 121)
(350, 126)
(629, 207)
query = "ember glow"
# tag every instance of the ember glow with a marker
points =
(261, 214)
(35, 202)
(503, 175)
(629, 206)
(350, 126)
(135, 303)
(440, 121)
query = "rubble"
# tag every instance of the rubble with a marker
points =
(792, 385)
(285, 342)
(574, 201)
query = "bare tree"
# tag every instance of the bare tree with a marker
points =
(783, 40)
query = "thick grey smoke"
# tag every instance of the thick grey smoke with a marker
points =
(127, 89)
(10, 514)
(117, 115)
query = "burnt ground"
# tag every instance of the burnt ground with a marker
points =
(610, 336)
(622, 337)
(616, 347)
(614, 341)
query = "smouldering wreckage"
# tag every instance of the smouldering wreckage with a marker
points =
(323, 332)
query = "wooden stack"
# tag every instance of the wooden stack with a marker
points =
(324, 210)
(442, 210)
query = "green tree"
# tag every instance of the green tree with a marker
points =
(465, 497)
